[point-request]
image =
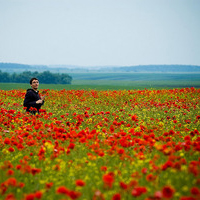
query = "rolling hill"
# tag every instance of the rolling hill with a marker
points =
(18, 68)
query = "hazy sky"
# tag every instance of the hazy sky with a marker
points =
(100, 32)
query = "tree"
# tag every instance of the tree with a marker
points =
(4, 77)
(44, 77)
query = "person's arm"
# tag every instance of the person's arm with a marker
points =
(29, 100)
(43, 98)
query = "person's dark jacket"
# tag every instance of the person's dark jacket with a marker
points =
(30, 101)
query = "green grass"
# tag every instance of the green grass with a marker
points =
(137, 76)
(116, 81)
(107, 85)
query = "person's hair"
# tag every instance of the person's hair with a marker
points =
(33, 80)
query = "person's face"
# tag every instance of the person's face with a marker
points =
(35, 84)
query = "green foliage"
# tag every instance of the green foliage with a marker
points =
(44, 77)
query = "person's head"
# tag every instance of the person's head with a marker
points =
(34, 82)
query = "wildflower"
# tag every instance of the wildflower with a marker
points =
(168, 192)
(74, 194)
(6, 141)
(41, 153)
(116, 196)
(35, 171)
(144, 170)
(30, 197)
(187, 137)
(71, 146)
(108, 179)
(138, 191)
(193, 168)
(10, 197)
(188, 198)
(11, 182)
(150, 177)
(112, 128)
(158, 195)
(167, 165)
(195, 191)
(80, 182)
(101, 154)
(62, 190)
(103, 168)
(21, 185)
(20, 146)
(123, 185)
(67, 151)
(49, 185)
(134, 118)
(98, 196)
(11, 149)
(10, 172)
(120, 151)
(38, 194)
(18, 167)
(7, 165)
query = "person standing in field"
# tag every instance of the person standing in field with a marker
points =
(33, 101)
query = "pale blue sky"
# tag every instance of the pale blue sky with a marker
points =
(100, 32)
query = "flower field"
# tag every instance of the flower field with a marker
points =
(101, 145)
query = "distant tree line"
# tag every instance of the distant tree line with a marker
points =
(45, 77)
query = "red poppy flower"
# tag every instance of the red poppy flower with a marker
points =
(21, 185)
(120, 151)
(188, 198)
(116, 196)
(10, 197)
(108, 180)
(62, 190)
(195, 191)
(30, 197)
(138, 191)
(123, 185)
(150, 177)
(103, 168)
(168, 192)
(144, 170)
(38, 194)
(49, 185)
(71, 146)
(112, 128)
(68, 151)
(11, 182)
(74, 194)
(134, 118)
(7, 141)
(101, 154)
(10, 172)
(18, 167)
(11, 149)
(80, 182)
(32, 109)
(35, 171)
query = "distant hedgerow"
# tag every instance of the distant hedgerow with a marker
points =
(44, 77)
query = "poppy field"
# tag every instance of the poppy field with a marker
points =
(101, 145)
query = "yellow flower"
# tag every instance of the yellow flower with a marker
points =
(185, 188)
(5, 151)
